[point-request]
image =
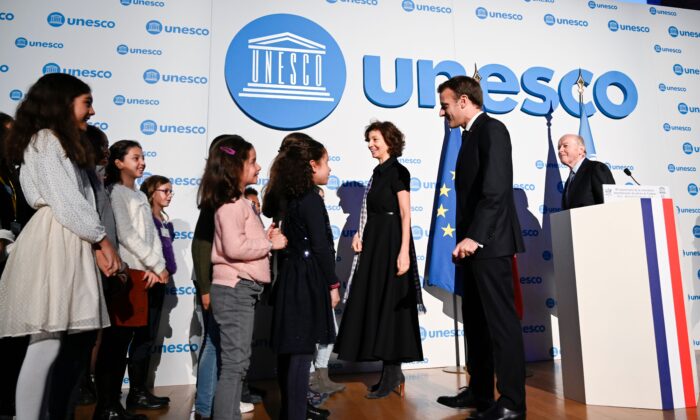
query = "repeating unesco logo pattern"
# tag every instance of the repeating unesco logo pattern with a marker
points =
(16, 94)
(679, 70)
(552, 20)
(155, 27)
(684, 109)
(409, 6)
(615, 26)
(120, 100)
(76, 71)
(153, 76)
(287, 63)
(57, 19)
(674, 32)
(6, 16)
(356, 2)
(669, 127)
(689, 149)
(668, 88)
(23, 42)
(123, 49)
(150, 127)
(661, 12)
(608, 6)
(659, 49)
(148, 3)
(482, 13)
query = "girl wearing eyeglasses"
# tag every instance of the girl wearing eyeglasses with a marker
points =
(160, 192)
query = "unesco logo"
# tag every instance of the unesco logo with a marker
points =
(678, 69)
(149, 127)
(671, 168)
(154, 27)
(696, 231)
(673, 31)
(408, 5)
(123, 49)
(417, 233)
(151, 76)
(682, 108)
(657, 48)
(667, 127)
(16, 94)
(482, 13)
(21, 42)
(550, 303)
(549, 19)
(119, 100)
(4, 68)
(692, 189)
(150, 3)
(613, 25)
(336, 232)
(591, 4)
(333, 182)
(546, 255)
(662, 87)
(414, 184)
(688, 148)
(56, 19)
(287, 63)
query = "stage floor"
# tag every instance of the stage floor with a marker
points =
(544, 400)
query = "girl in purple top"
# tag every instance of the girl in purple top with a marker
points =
(160, 192)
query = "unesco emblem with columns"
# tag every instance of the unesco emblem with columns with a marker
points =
(285, 72)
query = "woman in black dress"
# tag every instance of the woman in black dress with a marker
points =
(380, 321)
(306, 288)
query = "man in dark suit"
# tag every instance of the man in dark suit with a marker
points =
(584, 186)
(488, 235)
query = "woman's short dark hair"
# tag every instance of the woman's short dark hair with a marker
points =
(393, 137)
(223, 171)
(49, 104)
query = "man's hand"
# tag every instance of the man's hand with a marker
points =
(335, 297)
(466, 248)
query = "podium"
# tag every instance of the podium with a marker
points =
(623, 324)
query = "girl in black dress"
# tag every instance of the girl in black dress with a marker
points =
(380, 321)
(306, 289)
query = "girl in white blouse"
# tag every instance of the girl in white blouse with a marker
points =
(50, 289)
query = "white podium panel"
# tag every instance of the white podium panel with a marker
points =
(622, 320)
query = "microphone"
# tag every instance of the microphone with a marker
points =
(629, 174)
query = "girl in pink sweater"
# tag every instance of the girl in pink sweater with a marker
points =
(240, 262)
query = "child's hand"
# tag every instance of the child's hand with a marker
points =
(151, 279)
(402, 263)
(279, 241)
(164, 276)
(107, 258)
(335, 297)
(357, 243)
(206, 301)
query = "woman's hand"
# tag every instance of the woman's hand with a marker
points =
(107, 258)
(357, 243)
(335, 297)
(402, 263)
(151, 279)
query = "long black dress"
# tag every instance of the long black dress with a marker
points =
(302, 314)
(380, 321)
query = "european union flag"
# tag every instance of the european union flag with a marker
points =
(584, 130)
(439, 269)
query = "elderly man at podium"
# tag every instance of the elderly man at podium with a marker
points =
(584, 187)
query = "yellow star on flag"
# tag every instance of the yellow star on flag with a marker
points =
(441, 211)
(447, 231)
(444, 190)
(453, 175)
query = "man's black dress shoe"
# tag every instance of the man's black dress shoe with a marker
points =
(465, 399)
(497, 412)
